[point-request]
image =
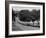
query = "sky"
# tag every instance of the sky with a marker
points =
(18, 8)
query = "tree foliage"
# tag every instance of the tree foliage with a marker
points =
(26, 15)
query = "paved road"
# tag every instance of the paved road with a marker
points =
(19, 27)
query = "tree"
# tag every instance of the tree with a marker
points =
(13, 15)
(25, 15)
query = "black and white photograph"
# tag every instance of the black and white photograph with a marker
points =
(25, 18)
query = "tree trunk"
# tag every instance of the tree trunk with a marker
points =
(33, 23)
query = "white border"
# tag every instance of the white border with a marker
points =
(25, 32)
